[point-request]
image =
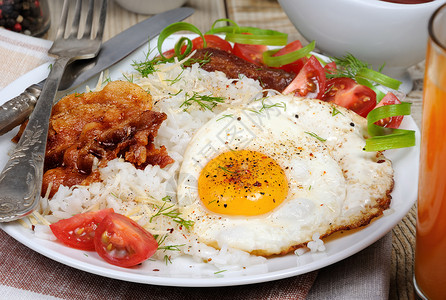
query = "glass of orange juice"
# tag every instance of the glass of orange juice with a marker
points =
(430, 251)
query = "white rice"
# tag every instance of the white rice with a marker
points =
(139, 193)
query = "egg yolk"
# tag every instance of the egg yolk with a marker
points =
(243, 183)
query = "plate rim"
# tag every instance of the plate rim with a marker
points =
(11, 229)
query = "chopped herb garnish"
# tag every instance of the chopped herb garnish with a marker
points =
(316, 136)
(226, 170)
(147, 67)
(225, 116)
(171, 247)
(167, 259)
(335, 112)
(201, 61)
(266, 106)
(221, 271)
(172, 213)
(129, 79)
(176, 79)
(351, 67)
(204, 101)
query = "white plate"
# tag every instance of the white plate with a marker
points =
(191, 274)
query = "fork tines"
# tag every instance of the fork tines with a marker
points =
(80, 21)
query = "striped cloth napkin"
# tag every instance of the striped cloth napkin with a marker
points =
(25, 274)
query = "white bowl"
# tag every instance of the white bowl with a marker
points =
(149, 7)
(374, 31)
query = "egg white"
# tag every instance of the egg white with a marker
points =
(321, 154)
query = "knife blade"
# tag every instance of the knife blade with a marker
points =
(15, 111)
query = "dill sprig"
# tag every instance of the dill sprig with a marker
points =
(201, 61)
(148, 66)
(315, 136)
(171, 213)
(167, 259)
(204, 101)
(266, 106)
(336, 112)
(347, 66)
(176, 79)
(171, 247)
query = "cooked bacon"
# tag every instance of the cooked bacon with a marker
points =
(115, 122)
(233, 67)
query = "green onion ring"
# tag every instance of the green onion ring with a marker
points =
(379, 78)
(173, 28)
(388, 138)
(278, 61)
(257, 39)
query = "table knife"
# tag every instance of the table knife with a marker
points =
(16, 110)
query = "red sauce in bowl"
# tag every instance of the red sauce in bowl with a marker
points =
(408, 1)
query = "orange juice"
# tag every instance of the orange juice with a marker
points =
(430, 252)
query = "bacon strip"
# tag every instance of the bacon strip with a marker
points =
(115, 122)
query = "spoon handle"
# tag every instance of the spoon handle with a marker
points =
(21, 179)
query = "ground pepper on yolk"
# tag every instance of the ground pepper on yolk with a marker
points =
(243, 183)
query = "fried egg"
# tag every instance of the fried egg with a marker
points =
(266, 178)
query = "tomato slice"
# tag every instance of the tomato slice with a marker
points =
(212, 41)
(251, 53)
(349, 94)
(79, 231)
(296, 66)
(122, 242)
(310, 82)
(391, 122)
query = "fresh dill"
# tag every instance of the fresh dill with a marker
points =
(204, 101)
(347, 66)
(176, 94)
(176, 79)
(148, 66)
(171, 247)
(201, 61)
(336, 112)
(266, 106)
(171, 213)
(129, 79)
(225, 116)
(316, 136)
(218, 272)
(167, 259)
(226, 170)
(106, 80)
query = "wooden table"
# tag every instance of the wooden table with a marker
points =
(268, 14)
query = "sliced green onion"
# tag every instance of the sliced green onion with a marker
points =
(238, 29)
(173, 28)
(278, 61)
(256, 36)
(388, 138)
(379, 78)
(215, 29)
(184, 41)
(257, 39)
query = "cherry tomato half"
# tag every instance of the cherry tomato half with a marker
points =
(310, 82)
(297, 65)
(212, 41)
(122, 242)
(251, 53)
(347, 93)
(79, 231)
(391, 122)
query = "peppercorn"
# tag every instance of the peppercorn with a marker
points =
(23, 16)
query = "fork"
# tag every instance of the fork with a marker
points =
(21, 179)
